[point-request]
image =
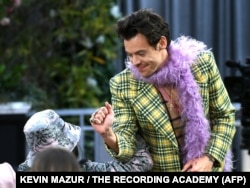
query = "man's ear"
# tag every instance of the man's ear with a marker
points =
(163, 43)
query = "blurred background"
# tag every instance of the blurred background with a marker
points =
(61, 54)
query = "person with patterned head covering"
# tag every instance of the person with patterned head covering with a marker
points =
(46, 129)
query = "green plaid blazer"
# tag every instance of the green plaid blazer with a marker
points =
(138, 108)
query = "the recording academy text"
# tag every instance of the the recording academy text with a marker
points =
(131, 178)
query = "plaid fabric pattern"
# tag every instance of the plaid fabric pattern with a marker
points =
(138, 108)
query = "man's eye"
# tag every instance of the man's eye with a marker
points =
(141, 54)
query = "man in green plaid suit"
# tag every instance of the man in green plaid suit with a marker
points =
(172, 94)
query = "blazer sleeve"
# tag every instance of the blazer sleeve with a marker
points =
(217, 105)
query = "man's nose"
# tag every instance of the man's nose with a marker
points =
(135, 60)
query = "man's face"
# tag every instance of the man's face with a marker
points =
(144, 57)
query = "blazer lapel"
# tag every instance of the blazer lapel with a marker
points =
(147, 92)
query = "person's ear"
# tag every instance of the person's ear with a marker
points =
(163, 43)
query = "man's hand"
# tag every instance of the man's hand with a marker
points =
(202, 164)
(102, 121)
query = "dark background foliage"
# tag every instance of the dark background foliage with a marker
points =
(58, 54)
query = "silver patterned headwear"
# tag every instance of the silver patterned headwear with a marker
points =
(45, 129)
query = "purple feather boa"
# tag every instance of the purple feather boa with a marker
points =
(176, 71)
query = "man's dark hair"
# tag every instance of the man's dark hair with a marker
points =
(145, 22)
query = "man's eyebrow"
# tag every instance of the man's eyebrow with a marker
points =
(137, 52)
